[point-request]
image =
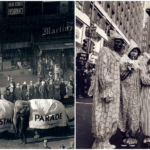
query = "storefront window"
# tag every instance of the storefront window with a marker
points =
(17, 59)
(63, 59)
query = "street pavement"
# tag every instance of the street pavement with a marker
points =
(84, 137)
(55, 137)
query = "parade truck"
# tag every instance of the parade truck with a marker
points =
(44, 114)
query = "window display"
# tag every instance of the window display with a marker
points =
(17, 59)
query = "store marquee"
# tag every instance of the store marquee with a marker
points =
(55, 46)
(53, 29)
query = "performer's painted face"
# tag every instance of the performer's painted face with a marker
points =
(134, 54)
(118, 44)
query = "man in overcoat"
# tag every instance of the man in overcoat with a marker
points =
(42, 90)
(62, 90)
(31, 90)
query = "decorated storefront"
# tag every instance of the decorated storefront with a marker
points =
(27, 37)
(55, 41)
(23, 46)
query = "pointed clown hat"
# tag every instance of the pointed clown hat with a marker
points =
(133, 45)
(113, 35)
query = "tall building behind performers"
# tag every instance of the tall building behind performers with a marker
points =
(125, 17)
(30, 31)
(146, 29)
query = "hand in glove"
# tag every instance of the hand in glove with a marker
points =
(108, 99)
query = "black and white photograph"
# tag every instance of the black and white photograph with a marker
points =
(37, 75)
(112, 74)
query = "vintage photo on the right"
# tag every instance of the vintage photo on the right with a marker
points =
(112, 74)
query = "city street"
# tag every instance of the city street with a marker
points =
(20, 79)
(84, 137)
(55, 137)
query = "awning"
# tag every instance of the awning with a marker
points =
(55, 46)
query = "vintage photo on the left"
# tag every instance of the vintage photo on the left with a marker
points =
(37, 75)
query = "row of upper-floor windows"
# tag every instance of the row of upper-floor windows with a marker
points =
(106, 26)
(136, 8)
(145, 32)
(144, 37)
(116, 19)
(123, 14)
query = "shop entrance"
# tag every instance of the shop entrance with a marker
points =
(60, 62)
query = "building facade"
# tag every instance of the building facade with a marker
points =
(30, 31)
(145, 36)
(146, 5)
(126, 17)
(146, 29)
